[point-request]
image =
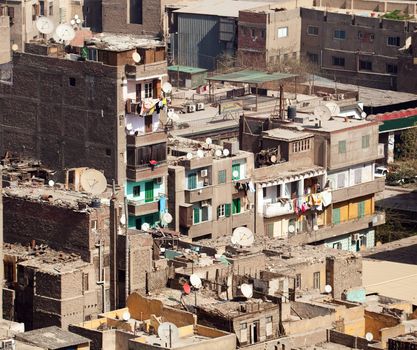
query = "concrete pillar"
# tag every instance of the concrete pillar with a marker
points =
(390, 148)
(300, 188)
(259, 199)
(4, 39)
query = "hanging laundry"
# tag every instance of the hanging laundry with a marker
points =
(326, 197)
(319, 207)
(251, 186)
(316, 198)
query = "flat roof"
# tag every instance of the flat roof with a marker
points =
(287, 134)
(186, 69)
(221, 8)
(251, 77)
(52, 338)
(123, 42)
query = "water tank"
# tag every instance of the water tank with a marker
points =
(95, 203)
(291, 112)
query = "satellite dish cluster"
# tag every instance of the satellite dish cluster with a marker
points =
(63, 32)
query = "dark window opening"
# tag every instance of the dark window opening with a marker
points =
(365, 65)
(136, 191)
(392, 68)
(136, 11)
(338, 61)
(72, 81)
(108, 152)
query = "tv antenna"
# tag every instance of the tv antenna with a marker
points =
(189, 156)
(51, 183)
(369, 336)
(218, 153)
(93, 182)
(242, 236)
(209, 141)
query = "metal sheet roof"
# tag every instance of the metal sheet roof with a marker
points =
(186, 69)
(251, 77)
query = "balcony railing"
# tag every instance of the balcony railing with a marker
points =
(142, 207)
(363, 189)
(198, 194)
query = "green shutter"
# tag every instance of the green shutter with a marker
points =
(236, 168)
(236, 206)
(192, 181)
(336, 215)
(149, 192)
(361, 209)
(196, 215)
(342, 146)
(222, 176)
(227, 209)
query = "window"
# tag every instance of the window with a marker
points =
(93, 224)
(302, 145)
(338, 61)
(204, 213)
(192, 181)
(85, 282)
(35, 11)
(361, 209)
(365, 141)
(342, 147)
(51, 9)
(236, 208)
(221, 176)
(313, 57)
(136, 191)
(340, 180)
(253, 33)
(108, 152)
(336, 216)
(316, 280)
(136, 11)
(196, 215)
(148, 90)
(223, 210)
(72, 81)
(243, 333)
(263, 33)
(10, 12)
(337, 245)
(392, 68)
(358, 176)
(235, 172)
(298, 281)
(313, 30)
(365, 65)
(393, 41)
(42, 8)
(339, 34)
(282, 32)
(268, 326)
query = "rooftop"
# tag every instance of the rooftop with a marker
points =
(410, 338)
(52, 338)
(186, 69)
(283, 171)
(251, 77)
(287, 134)
(122, 42)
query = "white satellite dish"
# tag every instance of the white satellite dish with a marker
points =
(200, 153)
(226, 152)
(273, 158)
(64, 32)
(45, 25)
(218, 153)
(15, 47)
(209, 141)
(291, 228)
(243, 236)
(93, 181)
(145, 226)
(167, 88)
(166, 218)
(76, 16)
(195, 281)
(136, 57)
(247, 290)
(328, 288)
(78, 21)
(235, 173)
(189, 156)
(126, 316)
(333, 108)
(322, 112)
(369, 336)
(72, 22)
(363, 115)
(123, 219)
(168, 332)
(51, 183)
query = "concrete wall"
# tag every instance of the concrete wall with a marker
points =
(378, 324)
(4, 39)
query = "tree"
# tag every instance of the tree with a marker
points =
(408, 145)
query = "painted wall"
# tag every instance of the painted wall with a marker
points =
(346, 242)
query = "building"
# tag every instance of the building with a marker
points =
(209, 195)
(403, 342)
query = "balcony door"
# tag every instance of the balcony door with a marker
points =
(149, 192)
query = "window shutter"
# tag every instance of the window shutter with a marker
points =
(227, 209)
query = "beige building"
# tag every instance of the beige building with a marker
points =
(208, 188)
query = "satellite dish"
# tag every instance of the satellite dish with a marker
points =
(65, 32)
(136, 57)
(291, 228)
(78, 21)
(322, 112)
(218, 153)
(328, 288)
(209, 141)
(273, 158)
(166, 218)
(235, 173)
(200, 153)
(195, 281)
(189, 156)
(145, 226)
(93, 181)
(168, 332)
(51, 183)
(126, 316)
(44, 25)
(186, 288)
(167, 88)
(369, 336)
(333, 108)
(76, 17)
(363, 115)
(123, 219)
(15, 47)
(226, 152)
(243, 236)
(72, 22)
(247, 290)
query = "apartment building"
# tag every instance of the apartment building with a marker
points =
(208, 187)
(315, 178)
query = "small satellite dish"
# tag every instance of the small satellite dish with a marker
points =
(78, 21)
(93, 181)
(209, 141)
(243, 236)
(145, 226)
(167, 88)
(44, 25)
(65, 32)
(195, 281)
(273, 158)
(200, 153)
(76, 17)
(226, 152)
(315, 228)
(72, 22)
(123, 219)
(328, 288)
(218, 153)
(126, 316)
(166, 218)
(189, 156)
(322, 112)
(15, 47)
(369, 336)
(186, 288)
(168, 332)
(363, 115)
(247, 290)
(235, 173)
(136, 57)
(51, 183)
(291, 228)
(333, 108)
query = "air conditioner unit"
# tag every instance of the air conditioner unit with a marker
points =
(158, 180)
(8, 344)
(356, 237)
(204, 173)
(200, 106)
(191, 108)
(205, 203)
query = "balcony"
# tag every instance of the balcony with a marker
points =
(199, 194)
(144, 172)
(363, 189)
(198, 230)
(145, 139)
(277, 209)
(138, 71)
(138, 208)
